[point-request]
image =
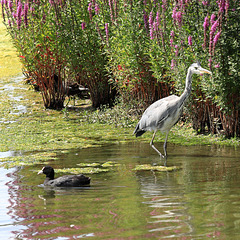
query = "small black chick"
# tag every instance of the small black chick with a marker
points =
(64, 181)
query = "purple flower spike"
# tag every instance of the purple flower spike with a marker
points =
(190, 40)
(10, 5)
(174, 14)
(158, 18)
(206, 23)
(145, 18)
(97, 9)
(26, 7)
(172, 64)
(216, 38)
(150, 20)
(83, 25)
(19, 14)
(214, 27)
(107, 32)
(90, 10)
(212, 18)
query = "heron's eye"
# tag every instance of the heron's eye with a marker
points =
(196, 68)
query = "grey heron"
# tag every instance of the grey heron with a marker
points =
(164, 114)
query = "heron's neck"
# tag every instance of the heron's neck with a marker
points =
(188, 88)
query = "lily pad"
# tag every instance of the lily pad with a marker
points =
(147, 167)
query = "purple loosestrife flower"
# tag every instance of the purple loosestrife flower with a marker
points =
(19, 14)
(151, 33)
(164, 5)
(221, 5)
(217, 66)
(90, 10)
(226, 7)
(97, 9)
(150, 20)
(107, 32)
(14, 15)
(111, 9)
(25, 11)
(155, 26)
(206, 23)
(9, 23)
(210, 62)
(214, 28)
(216, 38)
(10, 6)
(212, 19)
(205, 27)
(174, 14)
(83, 25)
(158, 18)
(179, 18)
(190, 40)
(176, 50)
(145, 18)
(172, 64)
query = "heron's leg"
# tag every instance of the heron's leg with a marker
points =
(151, 144)
(165, 149)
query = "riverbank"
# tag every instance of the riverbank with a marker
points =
(28, 129)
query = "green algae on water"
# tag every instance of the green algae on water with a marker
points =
(148, 167)
(27, 160)
(85, 170)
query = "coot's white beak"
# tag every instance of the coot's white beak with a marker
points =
(41, 171)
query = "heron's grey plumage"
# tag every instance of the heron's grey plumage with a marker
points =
(164, 114)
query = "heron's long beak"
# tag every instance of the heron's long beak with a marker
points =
(203, 70)
(40, 172)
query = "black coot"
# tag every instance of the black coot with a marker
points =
(64, 181)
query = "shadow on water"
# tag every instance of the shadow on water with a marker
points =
(201, 201)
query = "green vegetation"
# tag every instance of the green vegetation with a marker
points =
(139, 50)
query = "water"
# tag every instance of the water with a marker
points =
(201, 201)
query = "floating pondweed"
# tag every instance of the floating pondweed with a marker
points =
(25, 160)
(148, 167)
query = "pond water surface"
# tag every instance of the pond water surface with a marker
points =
(200, 201)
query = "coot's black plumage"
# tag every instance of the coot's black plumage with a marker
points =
(64, 181)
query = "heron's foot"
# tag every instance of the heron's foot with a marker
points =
(164, 158)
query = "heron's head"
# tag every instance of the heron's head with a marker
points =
(197, 69)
